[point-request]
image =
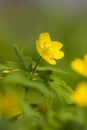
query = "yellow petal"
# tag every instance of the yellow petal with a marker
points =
(44, 39)
(79, 66)
(49, 60)
(45, 56)
(57, 44)
(58, 54)
(49, 50)
(79, 97)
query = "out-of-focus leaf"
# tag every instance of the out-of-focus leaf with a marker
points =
(61, 83)
(8, 65)
(52, 120)
(5, 125)
(27, 123)
(22, 79)
(34, 97)
(61, 88)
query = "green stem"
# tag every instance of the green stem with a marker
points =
(34, 70)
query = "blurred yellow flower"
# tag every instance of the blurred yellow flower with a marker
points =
(10, 71)
(10, 105)
(79, 96)
(80, 65)
(49, 50)
(6, 71)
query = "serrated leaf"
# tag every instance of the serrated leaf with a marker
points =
(61, 83)
(62, 89)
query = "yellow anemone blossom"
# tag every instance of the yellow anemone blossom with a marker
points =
(49, 50)
(80, 65)
(10, 105)
(79, 96)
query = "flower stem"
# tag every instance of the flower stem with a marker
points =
(34, 70)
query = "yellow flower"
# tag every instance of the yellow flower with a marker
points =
(49, 50)
(6, 71)
(10, 105)
(79, 96)
(9, 71)
(80, 65)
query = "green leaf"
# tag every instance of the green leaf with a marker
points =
(20, 55)
(22, 79)
(34, 97)
(4, 125)
(54, 69)
(61, 88)
(45, 75)
(8, 65)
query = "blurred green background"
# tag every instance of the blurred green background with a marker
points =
(21, 22)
